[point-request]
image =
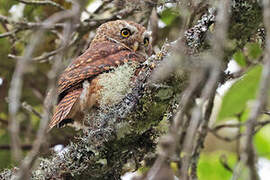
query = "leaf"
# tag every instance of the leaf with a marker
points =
(234, 101)
(245, 114)
(210, 168)
(240, 58)
(254, 50)
(168, 16)
(262, 142)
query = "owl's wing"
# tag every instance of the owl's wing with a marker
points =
(99, 58)
(64, 107)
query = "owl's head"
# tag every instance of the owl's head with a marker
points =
(132, 35)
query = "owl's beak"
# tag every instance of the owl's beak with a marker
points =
(135, 46)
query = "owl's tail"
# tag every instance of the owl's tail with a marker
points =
(64, 107)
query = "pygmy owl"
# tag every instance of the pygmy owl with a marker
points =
(116, 43)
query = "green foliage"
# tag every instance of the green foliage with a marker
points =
(210, 167)
(262, 142)
(234, 101)
(240, 58)
(30, 12)
(254, 50)
(245, 114)
(168, 16)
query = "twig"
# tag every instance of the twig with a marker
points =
(208, 93)
(227, 139)
(9, 33)
(267, 113)
(223, 160)
(23, 25)
(189, 143)
(4, 19)
(8, 147)
(215, 130)
(29, 108)
(44, 57)
(237, 125)
(43, 2)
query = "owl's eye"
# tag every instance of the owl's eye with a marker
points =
(125, 33)
(146, 41)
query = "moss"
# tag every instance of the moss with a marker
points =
(154, 104)
(123, 129)
(164, 94)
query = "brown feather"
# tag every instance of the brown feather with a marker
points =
(96, 60)
(64, 107)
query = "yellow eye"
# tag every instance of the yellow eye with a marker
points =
(125, 32)
(146, 41)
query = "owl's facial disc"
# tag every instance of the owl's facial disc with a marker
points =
(136, 46)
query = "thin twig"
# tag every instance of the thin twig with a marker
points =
(9, 33)
(237, 125)
(45, 56)
(23, 25)
(224, 161)
(215, 130)
(267, 113)
(8, 147)
(29, 108)
(189, 143)
(43, 2)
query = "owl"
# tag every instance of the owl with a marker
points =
(116, 43)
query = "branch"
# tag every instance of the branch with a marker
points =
(45, 56)
(9, 33)
(23, 25)
(215, 130)
(29, 108)
(43, 2)
(24, 147)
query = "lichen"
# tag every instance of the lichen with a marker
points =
(116, 85)
(6, 174)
